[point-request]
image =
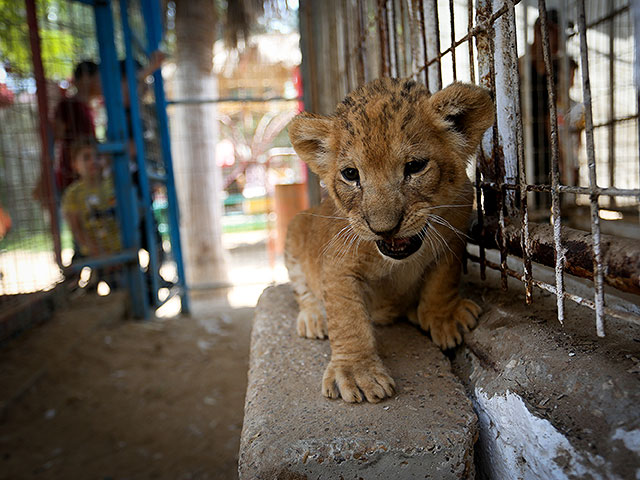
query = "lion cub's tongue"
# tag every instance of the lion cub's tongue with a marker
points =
(399, 243)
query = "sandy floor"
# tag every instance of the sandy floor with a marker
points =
(105, 398)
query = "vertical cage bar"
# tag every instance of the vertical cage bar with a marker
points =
(453, 41)
(636, 70)
(346, 45)
(44, 129)
(416, 57)
(153, 23)
(362, 35)
(127, 202)
(490, 167)
(595, 218)
(479, 209)
(611, 130)
(334, 48)
(407, 44)
(527, 107)
(472, 73)
(432, 28)
(555, 170)
(423, 37)
(137, 136)
(567, 160)
(508, 101)
(393, 40)
(524, 238)
(383, 33)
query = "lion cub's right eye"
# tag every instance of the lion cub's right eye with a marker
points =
(350, 174)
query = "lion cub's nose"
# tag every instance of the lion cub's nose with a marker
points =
(386, 234)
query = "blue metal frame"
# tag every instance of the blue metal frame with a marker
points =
(127, 201)
(137, 136)
(130, 208)
(153, 20)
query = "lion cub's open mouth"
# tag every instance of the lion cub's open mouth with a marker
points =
(399, 248)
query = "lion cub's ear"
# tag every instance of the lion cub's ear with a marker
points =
(467, 110)
(309, 135)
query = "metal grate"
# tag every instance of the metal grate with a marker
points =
(557, 178)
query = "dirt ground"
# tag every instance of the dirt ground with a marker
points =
(90, 395)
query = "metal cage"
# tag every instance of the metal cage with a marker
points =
(557, 177)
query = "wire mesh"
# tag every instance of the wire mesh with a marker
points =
(50, 95)
(557, 178)
(27, 250)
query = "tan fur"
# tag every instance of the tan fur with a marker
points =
(343, 283)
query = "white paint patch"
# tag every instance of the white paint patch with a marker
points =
(516, 444)
(631, 439)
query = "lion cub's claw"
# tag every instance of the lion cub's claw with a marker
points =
(358, 381)
(312, 323)
(445, 332)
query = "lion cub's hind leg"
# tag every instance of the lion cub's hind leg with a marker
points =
(312, 319)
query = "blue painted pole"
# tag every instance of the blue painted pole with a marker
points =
(127, 203)
(137, 135)
(153, 21)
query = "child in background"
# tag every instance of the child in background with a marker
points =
(89, 203)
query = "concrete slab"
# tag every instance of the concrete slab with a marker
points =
(291, 431)
(553, 401)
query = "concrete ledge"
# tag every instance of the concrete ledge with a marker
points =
(291, 431)
(553, 401)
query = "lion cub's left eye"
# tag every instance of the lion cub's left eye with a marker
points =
(414, 166)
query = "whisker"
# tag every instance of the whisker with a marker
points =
(323, 216)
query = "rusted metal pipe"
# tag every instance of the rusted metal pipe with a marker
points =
(555, 168)
(620, 256)
(591, 156)
(613, 312)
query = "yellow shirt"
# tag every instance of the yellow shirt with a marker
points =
(96, 207)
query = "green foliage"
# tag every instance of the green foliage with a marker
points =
(63, 26)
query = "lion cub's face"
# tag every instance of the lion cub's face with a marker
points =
(392, 154)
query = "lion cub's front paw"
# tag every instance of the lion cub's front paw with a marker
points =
(312, 323)
(351, 380)
(443, 324)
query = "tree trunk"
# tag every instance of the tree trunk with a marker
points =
(194, 138)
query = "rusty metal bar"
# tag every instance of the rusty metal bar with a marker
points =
(524, 212)
(453, 40)
(621, 192)
(479, 206)
(346, 18)
(555, 169)
(472, 73)
(494, 167)
(620, 256)
(423, 36)
(595, 218)
(383, 33)
(612, 312)
(612, 109)
(45, 129)
(393, 40)
(417, 58)
(482, 27)
(407, 38)
(362, 35)
(432, 27)
(334, 48)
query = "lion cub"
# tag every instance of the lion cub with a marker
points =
(388, 240)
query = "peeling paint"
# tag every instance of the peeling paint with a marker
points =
(520, 445)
